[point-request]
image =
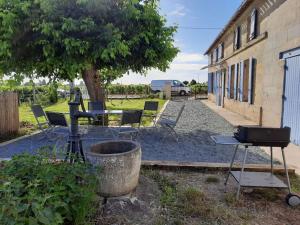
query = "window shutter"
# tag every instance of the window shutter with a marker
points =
(222, 50)
(237, 38)
(229, 82)
(241, 88)
(215, 83)
(251, 80)
(236, 74)
(208, 83)
(253, 25)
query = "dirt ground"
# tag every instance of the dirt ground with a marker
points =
(196, 198)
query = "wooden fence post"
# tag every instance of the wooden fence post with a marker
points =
(9, 113)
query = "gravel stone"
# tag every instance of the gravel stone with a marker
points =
(195, 126)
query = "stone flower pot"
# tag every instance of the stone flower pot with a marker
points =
(120, 163)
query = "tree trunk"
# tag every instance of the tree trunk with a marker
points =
(92, 80)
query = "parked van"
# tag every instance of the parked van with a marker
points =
(177, 87)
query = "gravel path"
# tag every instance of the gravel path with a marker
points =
(195, 127)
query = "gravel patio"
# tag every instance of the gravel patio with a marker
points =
(195, 127)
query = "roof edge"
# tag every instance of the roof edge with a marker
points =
(245, 4)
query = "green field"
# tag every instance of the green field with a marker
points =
(26, 114)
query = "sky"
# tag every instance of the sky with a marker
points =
(189, 14)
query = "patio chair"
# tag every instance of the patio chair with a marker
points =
(150, 111)
(56, 120)
(96, 106)
(130, 117)
(41, 119)
(170, 124)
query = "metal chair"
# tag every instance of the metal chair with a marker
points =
(96, 106)
(130, 117)
(55, 120)
(150, 111)
(170, 124)
(41, 119)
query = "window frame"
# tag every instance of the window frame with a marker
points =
(253, 24)
(221, 51)
(237, 38)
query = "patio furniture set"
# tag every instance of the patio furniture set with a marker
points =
(129, 123)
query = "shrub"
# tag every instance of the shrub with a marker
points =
(200, 88)
(133, 89)
(35, 190)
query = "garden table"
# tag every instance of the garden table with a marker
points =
(249, 179)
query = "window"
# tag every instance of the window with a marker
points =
(221, 51)
(237, 38)
(252, 77)
(216, 55)
(244, 81)
(253, 25)
(176, 83)
(209, 59)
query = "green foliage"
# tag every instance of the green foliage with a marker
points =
(200, 88)
(45, 94)
(52, 93)
(34, 190)
(137, 89)
(61, 39)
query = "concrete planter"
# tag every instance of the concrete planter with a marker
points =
(120, 162)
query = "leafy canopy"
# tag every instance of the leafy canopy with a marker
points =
(61, 38)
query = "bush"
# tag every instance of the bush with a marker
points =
(132, 89)
(34, 190)
(200, 88)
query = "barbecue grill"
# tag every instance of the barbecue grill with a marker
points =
(263, 136)
(259, 136)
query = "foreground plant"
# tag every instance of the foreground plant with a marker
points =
(35, 190)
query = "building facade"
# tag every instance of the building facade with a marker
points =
(254, 64)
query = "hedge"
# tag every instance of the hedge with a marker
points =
(132, 89)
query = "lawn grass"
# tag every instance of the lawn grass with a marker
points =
(62, 106)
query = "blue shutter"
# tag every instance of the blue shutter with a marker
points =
(241, 88)
(209, 83)
(215, 82)
(229, 82)
(251, 80)
(217, 88)
(236, 74)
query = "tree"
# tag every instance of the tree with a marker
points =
(193, 82)
(94, 39)
(185, 82)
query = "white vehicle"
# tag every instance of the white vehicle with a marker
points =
(178, 88)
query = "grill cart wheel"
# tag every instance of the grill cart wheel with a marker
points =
(292, 200)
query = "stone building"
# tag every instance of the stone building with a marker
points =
(254, 64)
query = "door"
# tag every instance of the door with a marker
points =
(219, 88)
(223, 74)
(291, 96)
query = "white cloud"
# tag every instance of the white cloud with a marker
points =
(189, 57)
(186, 66)
(179, 11)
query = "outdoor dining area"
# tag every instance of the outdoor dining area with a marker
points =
(96, 124)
